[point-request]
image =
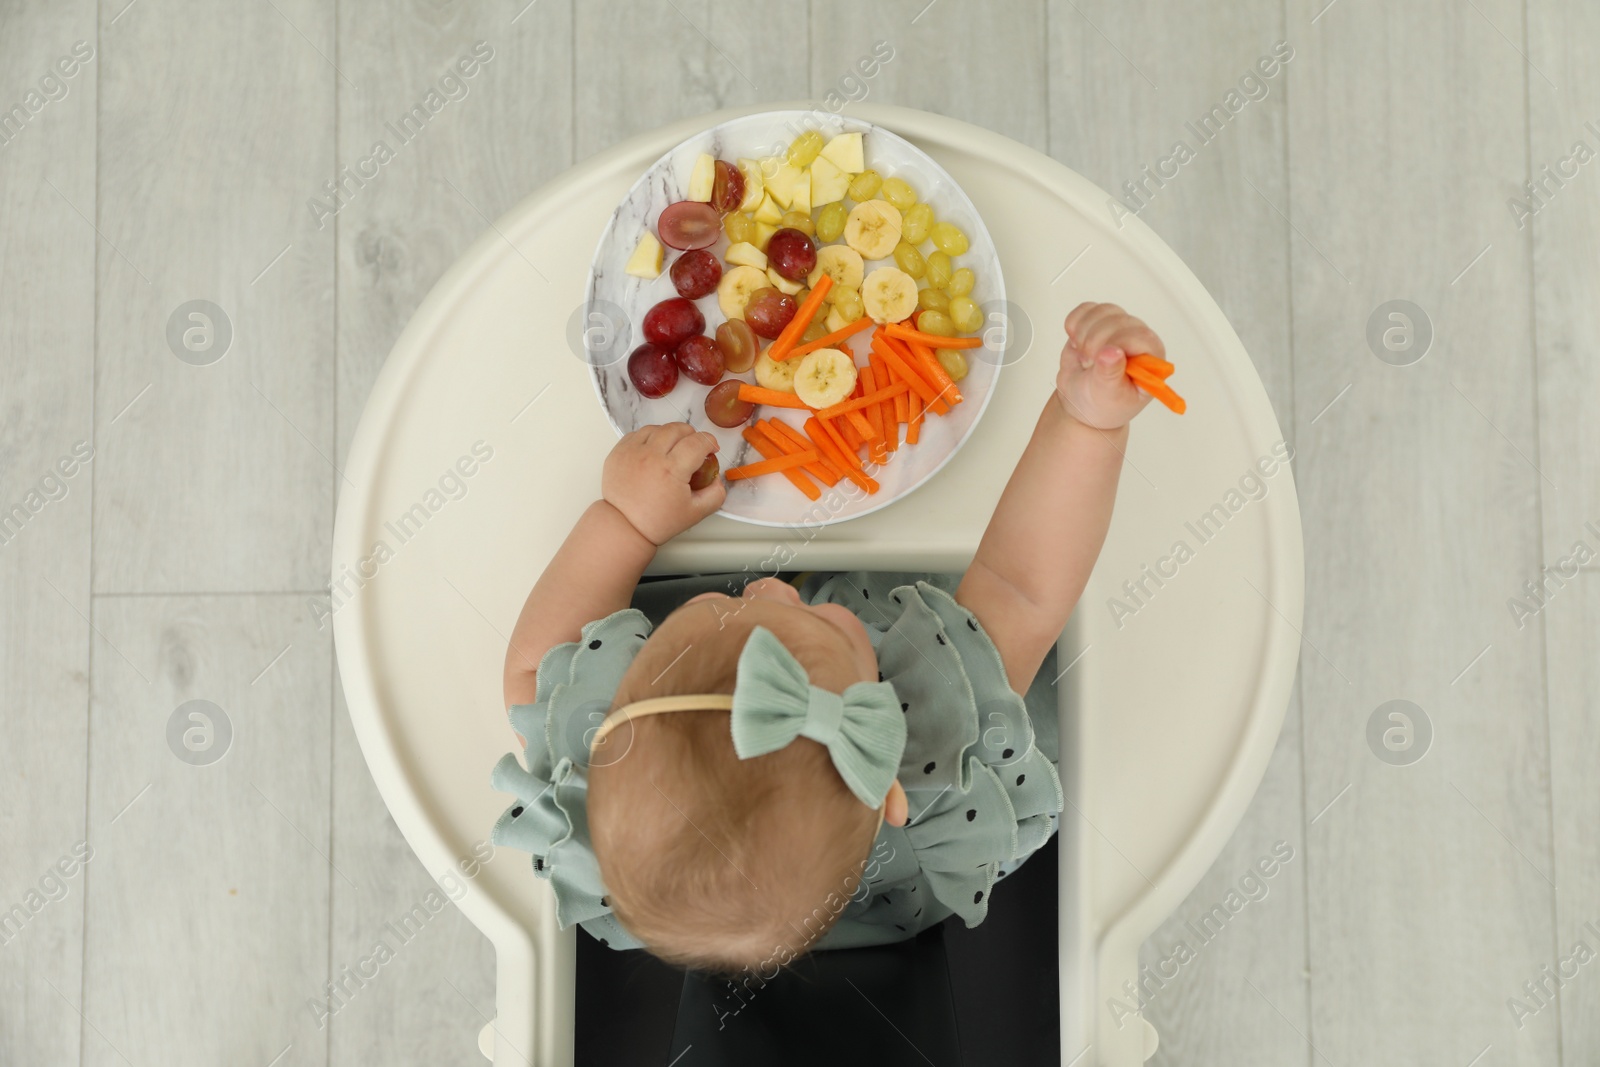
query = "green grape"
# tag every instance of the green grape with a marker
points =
(865, 186)
(849, 305)
(936, 322)
(831, 220)
(899, 193)
(915, 222)
(841, 293)
(806, 148)
(965, 313)
(932, 300)
(798, 220)
(948, 238)
(953, 362)
(908, 259)
(939, 269)
(739, 227)
(816, 331)
(961, 282)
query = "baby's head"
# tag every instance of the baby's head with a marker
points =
(715, 862)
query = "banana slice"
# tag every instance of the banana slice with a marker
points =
(839, 262)
(873, 229)
(889, 294)
(824, 377)
(774, 375)
(733, 292)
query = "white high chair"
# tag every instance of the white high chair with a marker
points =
(1170, 706)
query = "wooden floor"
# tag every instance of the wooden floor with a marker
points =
(1383, 160)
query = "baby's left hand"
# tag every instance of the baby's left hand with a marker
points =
(646, 477)
(1093, 384)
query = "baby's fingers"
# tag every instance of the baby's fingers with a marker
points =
(689, 451)
(1137, 338)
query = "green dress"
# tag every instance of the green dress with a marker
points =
(979, 767)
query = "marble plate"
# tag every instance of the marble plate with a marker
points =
(616, 303)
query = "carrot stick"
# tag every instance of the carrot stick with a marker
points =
(891, 429)
(833, 444)
(782, 347)
(771, 466)
(905, 333)
(844, 407)
(755, 394)
(847, 432)
(1157, 388)
(862, 426)
(769, 448)
(1154, 364)
(902, 407)
(845, 460)
(900, 361)
(914, 427)
(930, 365)
(874, 409)
(829, 340)
(791, 440)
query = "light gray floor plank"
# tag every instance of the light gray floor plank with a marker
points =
(1430, 897)
(47, 258)
(981, 63)
(503, 130)
(639, 64)
(1126, 83)
(1565, 229)
(215, 132)
(208, 894)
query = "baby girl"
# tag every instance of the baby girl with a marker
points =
(823, 762)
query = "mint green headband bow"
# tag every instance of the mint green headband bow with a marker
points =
(774, 702)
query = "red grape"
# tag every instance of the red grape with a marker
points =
(706, 474)
(723, 406)
(700, 360)
(768, 312)
(653, 370)
(689, 224)
(791, 253)
(728, 190)
(672, 322)
(739, 345)
(696, 273)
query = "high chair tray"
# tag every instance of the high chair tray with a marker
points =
(481, 442)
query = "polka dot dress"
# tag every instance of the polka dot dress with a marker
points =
(979, 767)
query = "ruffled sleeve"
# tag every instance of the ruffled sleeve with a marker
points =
(576, 684)
(980, 790)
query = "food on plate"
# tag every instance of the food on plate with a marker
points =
(841, 263)
(872, 228)
(652, 370)
(702, 177)
(725, 408)
(769, 310)
(727, 188)
(646, 259)
(736, 287)
(673, 321)
(739, 345)
(845, 151)
(688, 224)
(773, 375)
(824, 377)
(700, 359)
(696, 273)
(745, 254)
(792, 253)
(800, 226)
(755, 186)
(889, 294)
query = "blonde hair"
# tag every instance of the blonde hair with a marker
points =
(717, 863)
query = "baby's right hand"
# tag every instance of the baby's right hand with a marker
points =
(1093, 384)
(646, 477)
